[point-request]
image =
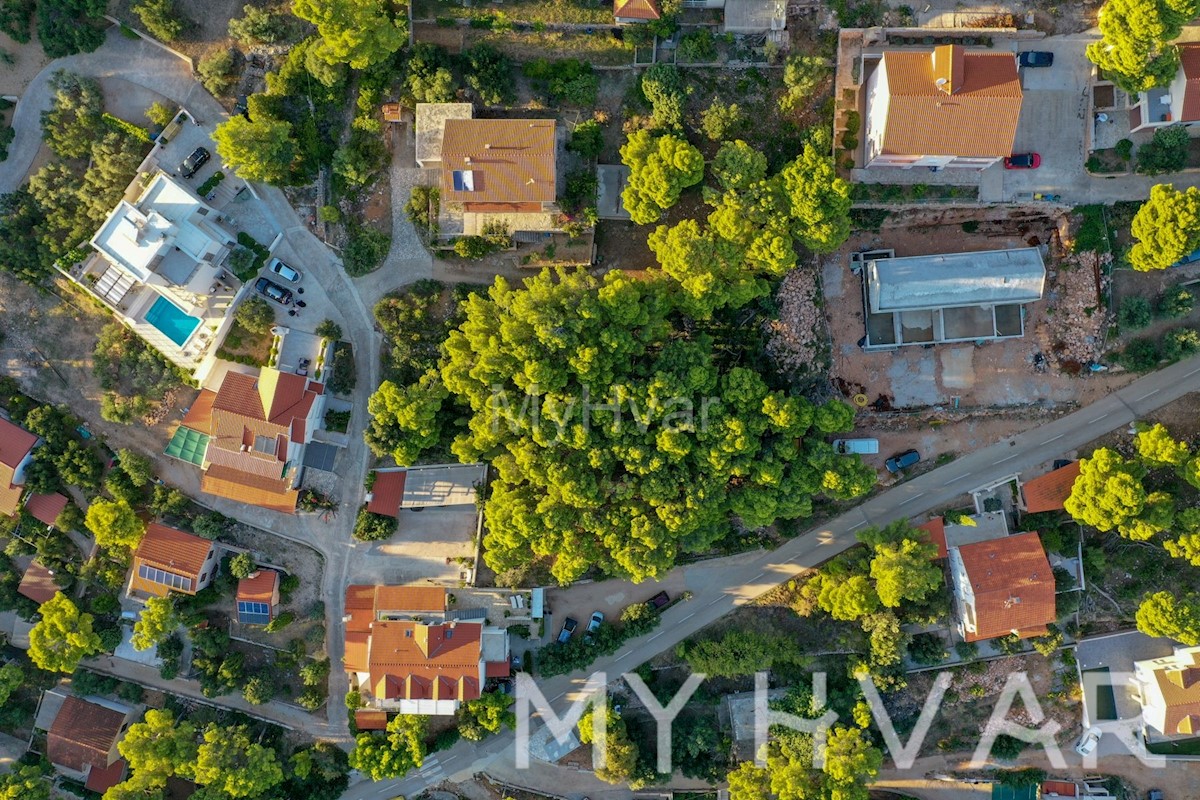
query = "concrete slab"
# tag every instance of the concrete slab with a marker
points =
(126, 651)
(1116, 653)
(611, 179)
(911, 376)
(425, 548)
(958, 367)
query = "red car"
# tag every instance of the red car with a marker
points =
(1023, 161)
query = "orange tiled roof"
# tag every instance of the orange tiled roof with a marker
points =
(1060, 788)
(636, 9)
(199, 416)
(173, 551)
(259, 587)
(45, 508)
(387, 493)
(247, 488)
(977, 117)
(38, 584)
(1048, 492)
(15, 444)
(245, 411)
(936, 528)
(1180, 687)
(410, 598)
(1189, 63)
(411, 661)
(357, 647)
(100, 779)
(367, 720)
(509, 160)
(1013, 586)
(10, 496)
(83, 733)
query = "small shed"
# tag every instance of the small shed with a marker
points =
(755, 16)
(257, 597)
(393, 112)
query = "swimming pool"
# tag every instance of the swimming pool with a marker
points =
(170, 319)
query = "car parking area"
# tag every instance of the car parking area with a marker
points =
(181, 143)
(427, 547)
(1052, 120)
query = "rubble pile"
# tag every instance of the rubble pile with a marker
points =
(793, 339)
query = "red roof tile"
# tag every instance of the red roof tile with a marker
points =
(429, 599)
(1189, 63)
(936, 528)
(173, 550)
(1013, 586)
(974, 114)
(508, 160)
(15, 443)
(636, 9)
(1048, 492)
(259, 587)
(38, 584)
(408, 660)
(100, 778)
(497, 669)
(199, 416)
(387, 493)
(45, 508)
(367, 720)
(83, 733)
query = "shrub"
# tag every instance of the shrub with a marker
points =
(720, 122)
(490, 73)
(370, 527)
(255, 314)
(365, 251)
(473, 247)
(1176, 302)
(1180, 343)
(342, 377)
(1141, 355)
(1166, 152)
(216, 71)
(698, 46)
(16, 19)
(213, 182)
(259, 25)
(162, 18)
(242, 566)
(1124, 149)
(424, 206)
(927, 648)
(280, 622)
(1135, 313)
(587, 139)
(330, 214)
(328, 329)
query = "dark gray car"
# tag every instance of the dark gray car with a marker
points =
(902, 461)
(195, 161)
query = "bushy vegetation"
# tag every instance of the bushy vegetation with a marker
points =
(365, 251)
(1165, 152)
(162, 18)
(133, 374)
(576, 653)
(342, 374)
(369, 527)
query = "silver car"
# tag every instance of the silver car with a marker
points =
(278, 267)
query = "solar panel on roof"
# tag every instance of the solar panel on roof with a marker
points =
(464, 180)
(159, 576)
(253, 613)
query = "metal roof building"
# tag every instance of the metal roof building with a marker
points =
(951, 297)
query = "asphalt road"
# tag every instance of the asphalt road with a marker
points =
(721, 585)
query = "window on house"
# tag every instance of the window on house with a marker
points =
(264, 444)
(203, 577)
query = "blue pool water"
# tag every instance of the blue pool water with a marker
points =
(170, 319)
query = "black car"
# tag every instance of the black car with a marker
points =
(1035, 59)
(273, 291)
(659, 601)
(195, 161)
(1154, 794)
(242, 106)
(902, 460)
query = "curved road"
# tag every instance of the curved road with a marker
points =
(721, 585)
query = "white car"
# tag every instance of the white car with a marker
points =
(278, 267)
(1088, 743)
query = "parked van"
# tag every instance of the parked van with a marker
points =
(861, 446)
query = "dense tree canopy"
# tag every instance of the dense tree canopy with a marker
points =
(626, 491)
(391, 754)
(114, 523)
(360, 33)
(262, 150)
(1136, 51)
(660, 169)
(1167, 228)
(24, 782)
(229, 761)
(485, 715)
(156, 622)
(63, 637)
(1165, 614)
(160, 747)
(1108, 493)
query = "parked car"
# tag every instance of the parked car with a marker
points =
(242, 106)
(278, 267)
(195, 161)
(1154, 794)
(568, 628)
(590, 634)
(860, 446)
(273, 291)
(659, 601)
(1089, 741)
(1023, 161)
(1035, 58)
(902, 461)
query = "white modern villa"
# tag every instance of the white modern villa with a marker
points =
(158, 264)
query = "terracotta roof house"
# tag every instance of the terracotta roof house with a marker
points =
(936, 528)
(941, 108)
(257, 429)
(81, 742)
(500, 172)
(429, 127)
(38, 583)
(169, 560)
(404, 655)
(626, 12)
(45, 508)
(257, 597)
(1178, 102)
(1048, 492)
(1169, 692)
(424, 487)
(16, 453)
(1002, 586)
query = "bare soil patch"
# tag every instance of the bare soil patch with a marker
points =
(28, 61)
